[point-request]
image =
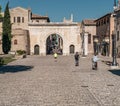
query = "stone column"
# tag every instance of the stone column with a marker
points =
(85, 44)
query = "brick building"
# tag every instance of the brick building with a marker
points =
(104, 31)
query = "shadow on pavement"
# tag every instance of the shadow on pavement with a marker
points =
(14, 68)
(115, 71)
(107, 62)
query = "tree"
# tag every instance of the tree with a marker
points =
(6, 35)
(0, 14)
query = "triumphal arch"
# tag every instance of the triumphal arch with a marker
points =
(65, 38)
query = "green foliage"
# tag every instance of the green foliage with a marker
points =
(1, 18)
(6, 44)
(6, 36)
(20, 52)
(6, 60)
(1, 61)
(0, 12)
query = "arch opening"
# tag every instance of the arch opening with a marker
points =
(54, 43)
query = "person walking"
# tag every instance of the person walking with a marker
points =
(94, 62)
(76, 56)
(55, 56)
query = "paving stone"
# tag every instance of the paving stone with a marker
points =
(40, 81)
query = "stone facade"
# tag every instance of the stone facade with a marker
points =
(104, 31)
(20, 40)
(20, 18)
(30, 31)
(88, 32)
(69, 33)
(118, 32)
(19, 21)
(0, 37)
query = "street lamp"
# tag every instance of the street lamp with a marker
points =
(114, 63)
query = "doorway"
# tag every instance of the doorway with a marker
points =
(36, 49)
(72, 49)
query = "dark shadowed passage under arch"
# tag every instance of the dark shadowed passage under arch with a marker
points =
(54, 43)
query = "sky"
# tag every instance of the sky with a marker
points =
(56, 10)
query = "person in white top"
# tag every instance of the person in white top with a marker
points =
(94, 62)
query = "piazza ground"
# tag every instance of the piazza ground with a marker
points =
(40, 81)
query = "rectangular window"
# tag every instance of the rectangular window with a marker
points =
(0, 42)
(98, 23)
(18, 19)
(101, 22)
(89, 38)
(22, 19)
(108, 20)
(14, 19)
(105, 21)
(117, 35)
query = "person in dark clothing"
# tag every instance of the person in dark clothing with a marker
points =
(76, 56)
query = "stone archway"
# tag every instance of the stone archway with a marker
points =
(36, 49)
(72, 49)
(54, 43)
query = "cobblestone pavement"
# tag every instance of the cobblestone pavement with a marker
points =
(40, 81)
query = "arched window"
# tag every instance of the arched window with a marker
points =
(15, 42)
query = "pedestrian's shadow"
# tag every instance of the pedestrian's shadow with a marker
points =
(107, 62)
(14, 68)
(115, 71)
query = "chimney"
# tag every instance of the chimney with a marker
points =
(71, 17)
